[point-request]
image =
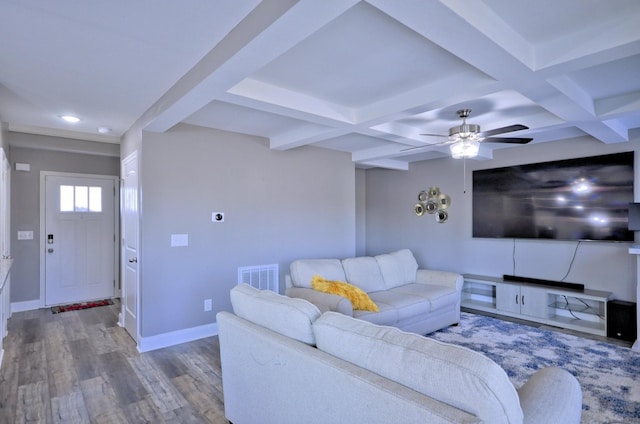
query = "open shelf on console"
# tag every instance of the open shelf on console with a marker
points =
(479, 295)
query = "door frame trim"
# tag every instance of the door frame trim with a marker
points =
(116, 226)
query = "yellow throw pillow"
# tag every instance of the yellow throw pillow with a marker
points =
(358, 297)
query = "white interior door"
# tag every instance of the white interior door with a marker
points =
(129, 219)
(79, 239)
(5, 188)
(5, 241)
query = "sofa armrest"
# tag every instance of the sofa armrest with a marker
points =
(323, 301)
(440, 278)
(551, 395)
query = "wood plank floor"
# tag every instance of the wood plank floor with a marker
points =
(80, 367)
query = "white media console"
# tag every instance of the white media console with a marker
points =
(581, 310)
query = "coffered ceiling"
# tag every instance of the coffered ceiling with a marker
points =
(363, 77)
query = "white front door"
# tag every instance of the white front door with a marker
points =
(79, 238)
(129, 219)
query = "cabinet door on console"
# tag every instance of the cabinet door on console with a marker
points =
(533, 301)
(508, 298)
(522, 300)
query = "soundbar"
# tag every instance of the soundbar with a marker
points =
(550, 283)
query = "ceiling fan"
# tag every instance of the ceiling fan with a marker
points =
(464, 140)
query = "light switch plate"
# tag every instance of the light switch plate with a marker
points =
(25, 235)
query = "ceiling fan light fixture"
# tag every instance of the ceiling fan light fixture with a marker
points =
(464, 148)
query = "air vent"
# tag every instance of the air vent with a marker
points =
(263, 277)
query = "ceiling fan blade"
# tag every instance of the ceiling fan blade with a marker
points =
(444, 143)
(435, 135)
(503, 130)
(511, 140)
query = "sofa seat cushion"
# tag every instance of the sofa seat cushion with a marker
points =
(407, 305)
(386, 315)
(451, 374)
(363, 272)
(303, 270)
(359, 299)
(285, 315)
(439, 297)
(397, 268)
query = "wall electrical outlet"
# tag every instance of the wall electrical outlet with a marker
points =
(208, 305)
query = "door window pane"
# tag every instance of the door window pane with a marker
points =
(80, 199)
(95, 199)
(66, 198)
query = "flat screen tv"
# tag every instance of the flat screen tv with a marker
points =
(575, 199)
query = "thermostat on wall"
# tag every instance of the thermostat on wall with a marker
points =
(217, 216)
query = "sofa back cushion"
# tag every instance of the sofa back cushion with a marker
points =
(363, 272)
(398, 268)
(451, 374)
(303, 270)
(288, 316)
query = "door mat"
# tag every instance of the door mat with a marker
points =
(78, 306)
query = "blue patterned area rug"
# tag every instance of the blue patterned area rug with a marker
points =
(608, 374)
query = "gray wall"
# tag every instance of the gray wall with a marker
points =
(279, 206)
(25, 197)
(391, 223)
(361, 204)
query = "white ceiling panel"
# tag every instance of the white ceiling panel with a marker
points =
(363, 77)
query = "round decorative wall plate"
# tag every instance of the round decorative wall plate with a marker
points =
(431, 206)
(441, 216)
(419, 209)
(444, 201)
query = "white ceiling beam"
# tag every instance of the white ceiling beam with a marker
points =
(580, 50)
(387, 164)
(303, 137)
(614, 106)
(270, 96)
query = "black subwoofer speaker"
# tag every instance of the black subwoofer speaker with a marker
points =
(622, 320)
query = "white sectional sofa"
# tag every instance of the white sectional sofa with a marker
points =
(285, 362)
(412, 299)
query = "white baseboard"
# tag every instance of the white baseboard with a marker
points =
(27, 305)
(177, 337)
(636, 345)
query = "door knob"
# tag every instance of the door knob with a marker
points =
(133, 260)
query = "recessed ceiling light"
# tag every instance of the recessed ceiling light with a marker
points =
(104, 130)
(70, 118)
